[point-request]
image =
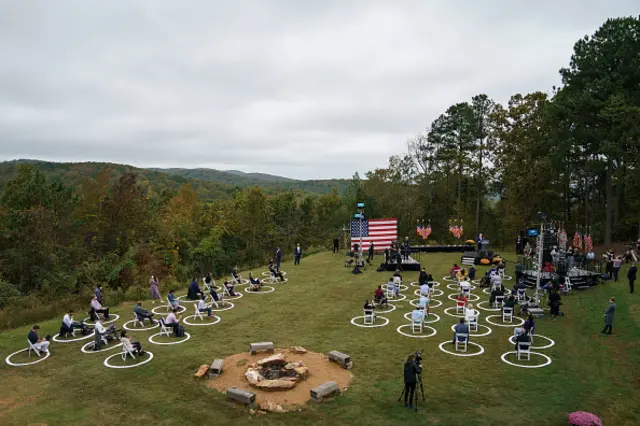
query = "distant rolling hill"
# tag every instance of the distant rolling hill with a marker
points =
(209, 183)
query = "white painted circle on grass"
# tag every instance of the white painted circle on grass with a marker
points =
(112, 318)
(229, 306)
(127, 327)
(456, 287)
(187, 336)
(261, 291)
(85, 348)
(106, 361)
(243, 281)
(507, 278)
(432, 318)
(275, 280)
(402, 287)
(433, 303)
(515, 324)
(512, 340)
(446, 311)
(417, 336)
(205, 317)
(236, 297)
(547, 360)
(476, 334)
(417, 283)
(24, 364)
(434, 292)
(354, 322)
(449, 279)
(397, 298)
(487, 290)
(479, 305)
(461, 353)
(391, 309)
(472, 297)
(57, 338)
(267, 273)
(156, 310)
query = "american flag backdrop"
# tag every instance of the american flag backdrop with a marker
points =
(380, 231)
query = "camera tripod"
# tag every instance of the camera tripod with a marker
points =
(415, 394)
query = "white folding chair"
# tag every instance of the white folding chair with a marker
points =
(137, 320)
(126, 351)
(521, 295)
(164, 330)
(473, 323)
(501, 272)
(524, 351)
(460, 308)
(33, 348)
(197, 311)
(466, 291)
(369, 317)
(497, 303)
(461, 345)
(567, 286)
(389, 291)
(416, 326)
(507, 315)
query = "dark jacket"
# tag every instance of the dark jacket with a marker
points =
(609, 314)
(632, 273)
(410, 372)
(423, 277)
(194, 289)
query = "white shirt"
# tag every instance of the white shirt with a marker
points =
(465, 285)
(417, 316)
(397, 280)
(100, 328)
(468, 314)
(424, 290)
(96, 305)
(424, 301)
(127, 343)
(67, 320)
(201, 304)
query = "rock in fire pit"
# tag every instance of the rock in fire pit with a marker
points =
(276, 373)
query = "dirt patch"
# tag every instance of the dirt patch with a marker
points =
(320, 371)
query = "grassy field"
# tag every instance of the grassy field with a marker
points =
(589, 372)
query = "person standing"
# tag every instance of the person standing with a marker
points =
(371, 251)
(609, 315)
(631, 276)
(518, 245)
(154, 289)
(411, 372)
(278, 257)
(616, 265)
(297, 253)
(336, 245)
(480, 239)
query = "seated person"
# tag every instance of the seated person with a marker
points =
(497, 291)
(172, 320)
(68, 325)
(465, 286)
(270, 264)
(521, 337)
(98, 293)
(101, 331)
(41, 345)
(229, 286)
(469, 313)
(254, 283)
(423, 277)
(496, 280)
(520, 285)
(379, 297)
(194, 292)
(462, 275)
(423, 303)
(173, 301)
(472, 273)
(509, 303)
(202, 307)
(143, 314)
(97, 308)
(212, 292)
(236, 276)
(279, 274)
(208, 280)
(529, 324)
(397, 274)
(454, 271)
(460, 328)
(461, 300)
(132, 346)
(425, 290)
(417, 315)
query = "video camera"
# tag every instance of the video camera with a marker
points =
(418, 358)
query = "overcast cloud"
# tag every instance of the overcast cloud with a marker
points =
(305, 89)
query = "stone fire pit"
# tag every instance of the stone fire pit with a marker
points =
(276, 373)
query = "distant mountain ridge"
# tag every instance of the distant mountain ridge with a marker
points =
(209, 183)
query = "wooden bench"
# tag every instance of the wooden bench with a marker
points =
(327, 389)
(254, 348)
(216, 367)
(343, 359)
(241, 395)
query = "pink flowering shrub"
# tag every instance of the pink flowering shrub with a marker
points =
(582, 418)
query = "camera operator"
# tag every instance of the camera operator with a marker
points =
(411, 371)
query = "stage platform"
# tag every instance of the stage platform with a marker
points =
(409, 264)
(443, 248)
(580, 278)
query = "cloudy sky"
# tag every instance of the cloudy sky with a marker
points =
(297, 88)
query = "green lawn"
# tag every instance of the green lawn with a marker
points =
(589, 372)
